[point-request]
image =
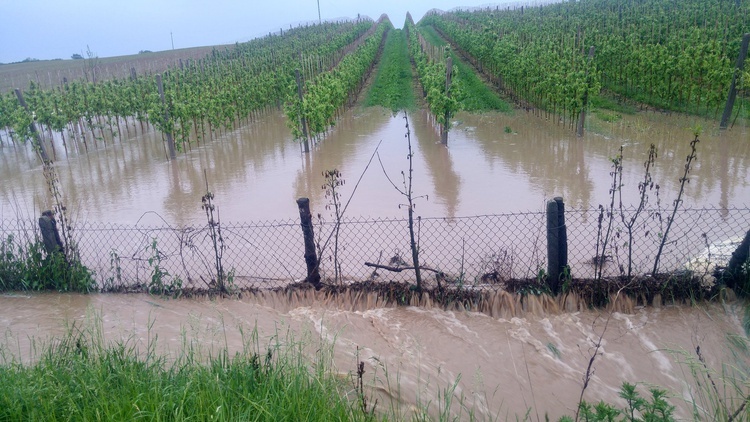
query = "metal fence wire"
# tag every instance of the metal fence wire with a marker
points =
(480, 251)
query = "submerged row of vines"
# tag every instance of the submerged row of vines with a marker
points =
(311, 113)
(200, 96)
(668, 55)
(431, 65)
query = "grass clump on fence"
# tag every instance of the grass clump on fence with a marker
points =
(81, 377)
(24, 266)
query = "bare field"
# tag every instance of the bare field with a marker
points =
(49, 73)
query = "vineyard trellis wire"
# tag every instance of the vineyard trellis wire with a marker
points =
(478, 252)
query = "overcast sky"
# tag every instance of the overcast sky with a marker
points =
(49, 29)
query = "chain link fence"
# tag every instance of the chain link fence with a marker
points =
(480, 251)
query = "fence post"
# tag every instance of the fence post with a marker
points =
(733, 271)
(311, 257)
(557, 243)
(562, 233)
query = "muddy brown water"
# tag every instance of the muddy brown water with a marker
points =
(531, 357)
(257, 172)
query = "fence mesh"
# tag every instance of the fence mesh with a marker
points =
(480, 251)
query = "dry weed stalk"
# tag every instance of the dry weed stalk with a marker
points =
(677, 202)
(408, 193)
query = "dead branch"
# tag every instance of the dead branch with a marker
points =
(399, 269)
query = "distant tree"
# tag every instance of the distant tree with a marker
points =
(29, 59)
(91, 66)
(145, 51)
(76, 57)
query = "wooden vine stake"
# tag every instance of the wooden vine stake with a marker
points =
(446, 126)
(579, 131)
(170, 139)
(38, 144)
(733, 88)
(301, 116)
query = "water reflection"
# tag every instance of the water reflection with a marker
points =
(347, 148)
(548, 156)
(437, 158)
(493, 163)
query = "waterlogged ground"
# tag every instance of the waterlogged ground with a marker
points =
(530, 356)
(494, 163)
(527, 356)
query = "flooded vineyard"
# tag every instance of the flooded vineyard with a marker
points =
(529, 354)
(480, 335)
(494, 163)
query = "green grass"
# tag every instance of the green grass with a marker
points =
(81, 378)
(25, 266)
(393, 86)
(608, 99)
(603, 101)
(471, 92)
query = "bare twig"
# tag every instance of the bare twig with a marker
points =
(643, 187)
(590, 367)
(343, 211)
(708, 375)
(600, 259)
(677, 202)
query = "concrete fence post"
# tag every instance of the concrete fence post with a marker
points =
(557, 243)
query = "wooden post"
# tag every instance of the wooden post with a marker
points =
(579, 131)
(170, 139)
(32, 127)
(557, 243)
(302, 118)
(733, 88)
(446, 126)
(311, 257)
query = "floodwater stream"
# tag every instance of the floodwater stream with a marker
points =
(533, 357)
(494, 163)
